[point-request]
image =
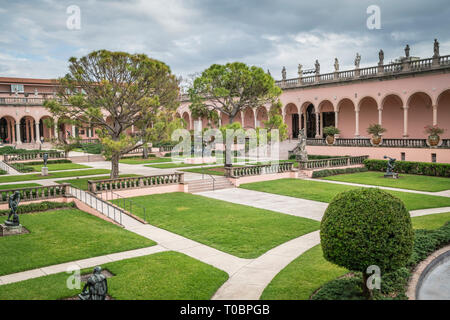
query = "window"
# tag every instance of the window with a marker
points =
(17, 88)
(403, 156)
(433, 157)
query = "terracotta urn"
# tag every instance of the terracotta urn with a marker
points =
(376, 140)
(330, 139)
(433, 140)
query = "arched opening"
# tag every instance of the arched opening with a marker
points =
(443, 113)
(46, 132)
(27, 129)
(7, 130)
(368, 114)
(224, 119)
(420, 114)
(261, 116)
(249, 119)
(346, 110)
(392, 116)
(187, 120)
(291, 118)
(326, 117)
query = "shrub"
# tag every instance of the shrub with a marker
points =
(375, 129)
(41, 206)
(93, 148)
(331, 131)
(333, 172)
(364, 227)
(2, 172)
(410, 167)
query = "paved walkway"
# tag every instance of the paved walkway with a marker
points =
(269, 201)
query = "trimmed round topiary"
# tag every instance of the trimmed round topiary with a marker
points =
(364, 227)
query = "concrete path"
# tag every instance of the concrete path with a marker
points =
(440, 193)
(424, 212)
(269, 201)
(81, 264)
(249, 282)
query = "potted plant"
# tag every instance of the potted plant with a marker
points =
(330, 132)
(376, 130)
(433, 134)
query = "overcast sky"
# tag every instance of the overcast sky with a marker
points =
(190, 35)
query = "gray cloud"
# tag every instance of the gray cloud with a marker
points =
(190, 35)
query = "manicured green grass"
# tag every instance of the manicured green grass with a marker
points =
(18, 186)
(82, 183)
(61, 236)
(216, 171)
(406, 181)
(143, 161)
(243, 231)
(302, 277)
(60, 166)
(63, 174)
(324, 192)
(431, 221)
(161, 276)
(172, 165)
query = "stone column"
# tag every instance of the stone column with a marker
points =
(19, 140)
(336, 119)
(380, 116)
(55, 131)
(405, 121)
(317, 125)
(321, 124)
(254, 118)
(434, 115)
(220, 118)
(304, 121)
(8, 125)
(356, 123)
(38, 133)
(73, 131)
(27, 130)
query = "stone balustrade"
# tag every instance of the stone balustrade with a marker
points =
(33, 156)
(389, 143)
(36, 193)
(254, 170)
(96, 186)
(331, 162)
(370, 72)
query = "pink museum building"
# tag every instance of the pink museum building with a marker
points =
(402, 96)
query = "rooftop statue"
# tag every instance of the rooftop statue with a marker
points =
(283, 73)
(336, 64)
(436, 48)
(96, 286)
(13, 202)
(300, 70)
(381, 57)
(317, 65)
(407, 51)
(357, 60)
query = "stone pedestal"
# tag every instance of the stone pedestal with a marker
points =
(44, 171)
(391, 175)
(10, 230)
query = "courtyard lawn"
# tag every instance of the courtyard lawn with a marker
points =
(60, 166)
(216, 171)
(324, 192)
(54, 175)
(302, 277)
(406, 181)
(161, 276)
(243, 231)
(140, 160)
(60, 236)
(18, 186)
(82, 183)
(431, 221)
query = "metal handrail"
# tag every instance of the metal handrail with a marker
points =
(125, 200)
(204, 172)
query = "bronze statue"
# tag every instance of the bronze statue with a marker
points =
(96, 286)
(14, 200)
(45, 159)
(390, 166)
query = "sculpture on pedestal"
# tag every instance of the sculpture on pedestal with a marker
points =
(13, 202)
(336, 64)
(300, 151)
(96, 286)
(283, 73)
(390, 168)
(317, 67)
(381, 57)
(436, 48)
(45, 159)
(357, 60)
(407, 51)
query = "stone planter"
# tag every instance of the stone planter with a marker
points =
(433, 140)
(330, 140)
(376, 140)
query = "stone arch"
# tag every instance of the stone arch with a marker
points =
(368, 114)
(392, 116)
(249, 118)
(420, 114)
(46, 132)
(8, 129)
(27, 129)
(346, 111)
(443, 112)
(291, 118)
(187, 118)
(261, 116)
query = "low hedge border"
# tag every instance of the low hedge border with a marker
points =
(333, 172)
(410, 167)
(38, 207)
(393, 284)
(25, 166)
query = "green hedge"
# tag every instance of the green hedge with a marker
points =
(393, 284)
(316, 157)
(42, 206)
(410, 167)
(333, 172)
(93, 148)
(12, 150)
(2, 172)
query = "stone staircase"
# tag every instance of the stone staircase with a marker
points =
(87, 158)
(208, 183)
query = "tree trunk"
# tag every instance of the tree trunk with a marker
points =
(366, 291)
(230, 119)
(115, 165)
(145, 152)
